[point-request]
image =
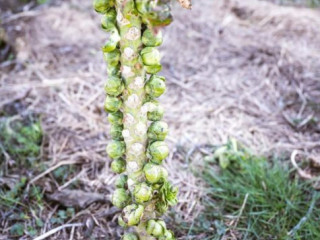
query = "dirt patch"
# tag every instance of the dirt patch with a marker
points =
(242, 69)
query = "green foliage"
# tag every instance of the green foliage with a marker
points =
(308, 3)
(21, 139)
(42, 1)
(167, 197)
(256, 199)
(23, 208)
(63, 173)
(17, 230)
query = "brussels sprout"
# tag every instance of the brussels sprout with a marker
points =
(121, 222)
(112, 58)
(102, 6)
(113, 41)
(114, 86)
(158, 131)
(132, 214)
(156, 186)
(142, 6)
(108, 21)
(112, 104)
(120, 198)
(142, 193)
(158, 15)
(158, 151)
(150, 56)
(128, 7)
(113, 70)
(153, 69)
(118, 165)
(156, 113)
(151, 39)
(130, 236)
(110, 45)
(116, 149)
(115, 118)
(168, 235)
(116, 132)
(156, 228)
(155, 173)
(156, 86)
(121, 181)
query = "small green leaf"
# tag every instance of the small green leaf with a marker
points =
(39, 222)
(224, 161)
(17, 229)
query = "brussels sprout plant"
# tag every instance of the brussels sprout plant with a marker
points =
(138, 133)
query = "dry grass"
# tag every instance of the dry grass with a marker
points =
(245, 69)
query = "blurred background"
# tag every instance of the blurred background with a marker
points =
(242, 104)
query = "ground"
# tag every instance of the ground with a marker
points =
(248, 70)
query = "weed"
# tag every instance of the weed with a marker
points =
(253, 198)
(308, 3)
(21, 139)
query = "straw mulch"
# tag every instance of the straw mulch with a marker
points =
(243, 69)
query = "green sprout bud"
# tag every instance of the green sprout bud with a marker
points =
(114, 86)
(118, 165)
(112, 104)
(130, 236)
(158, 151)
(152, 39)
(156, 114)
(115, 118)
(153, 69)
(158, 131)
(112, 58)
(168, 235)
(102, 6)
(120, 198)
(116, 132)
(113, 41)
(162, 223)
(108, 21)
(121, 181)
(155, 173)
(156, 186)
(113, 70)
(116, 149)
(132, 214)
(158, 15)
(121, 222)
(150, 56)
(128, 7)
(142, 6)
(142, 193)
(156, 86)
(155, 228)
(110, 45)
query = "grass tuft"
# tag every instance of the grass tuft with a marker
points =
(253, 198)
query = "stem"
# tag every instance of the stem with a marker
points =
(143, 191)
(135, 120)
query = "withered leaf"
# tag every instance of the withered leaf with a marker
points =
(76, 198)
